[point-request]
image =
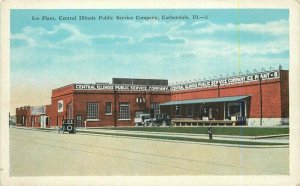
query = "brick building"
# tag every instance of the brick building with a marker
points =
(259, 99)
(33, 116)
(114, 104)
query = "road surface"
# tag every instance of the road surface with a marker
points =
(38, 153)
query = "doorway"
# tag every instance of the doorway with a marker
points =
(78, 121)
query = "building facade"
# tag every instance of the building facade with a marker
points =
(33, 116)
(96, 105)
(258, 99)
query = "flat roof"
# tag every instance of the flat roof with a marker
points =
(207, 100)
(134, 81)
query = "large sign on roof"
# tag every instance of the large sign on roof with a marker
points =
(120, 87)
(38, 110)
(227, 81)
(184, 86)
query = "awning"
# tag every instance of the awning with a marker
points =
(207, 100)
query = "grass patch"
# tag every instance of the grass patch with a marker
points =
(187, 139)
(237, 131)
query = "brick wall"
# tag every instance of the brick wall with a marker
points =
(23, 116)
(271, 98)
(275, 101)
(80, 98)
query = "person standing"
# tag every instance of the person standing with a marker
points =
(210, 133)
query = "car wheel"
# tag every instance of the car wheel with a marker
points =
(69, 128)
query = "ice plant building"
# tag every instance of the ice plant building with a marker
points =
(257, 99)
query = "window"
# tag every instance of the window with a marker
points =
(177, 110)
(190, 110)
(60, 106)
(124, 111)
(92, 110)
(234, 109)
(108, 108)
(140, 100)
(154, 107)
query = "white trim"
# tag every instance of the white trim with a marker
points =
(108, 114)
(267, 122)
(124, 119)
(93, 120)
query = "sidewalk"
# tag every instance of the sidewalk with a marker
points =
(266, 139)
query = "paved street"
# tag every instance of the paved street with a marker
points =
(37, 153)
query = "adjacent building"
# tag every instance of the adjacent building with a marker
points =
(33, 116)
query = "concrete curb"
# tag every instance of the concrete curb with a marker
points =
(112, 132)
(189, 134)
(165, 134)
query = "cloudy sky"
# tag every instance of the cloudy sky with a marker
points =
(49, 54)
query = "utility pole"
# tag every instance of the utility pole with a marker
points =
(218, 89)
(115, 108)
(260, 93)
(219, 109)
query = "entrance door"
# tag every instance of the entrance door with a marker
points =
(32, 121)
(79, 121)
(43, 121)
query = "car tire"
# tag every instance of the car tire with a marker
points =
(69, 128)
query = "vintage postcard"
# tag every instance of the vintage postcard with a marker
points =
(150, 93)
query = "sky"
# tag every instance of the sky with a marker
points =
(47, 54)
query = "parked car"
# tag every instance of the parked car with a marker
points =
(68, 126)
(142, 120)
(161, 120)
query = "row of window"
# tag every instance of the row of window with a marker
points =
(233, 109)
(93, 110)
(124, 111)
(189, 110)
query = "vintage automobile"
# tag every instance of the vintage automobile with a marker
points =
(68, 126)
(142, 120)
(160, 120)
